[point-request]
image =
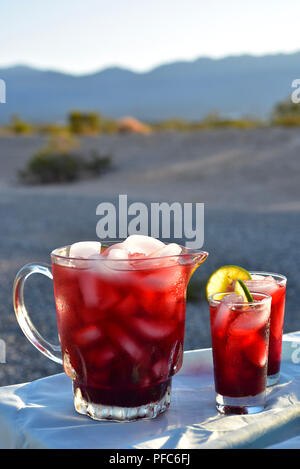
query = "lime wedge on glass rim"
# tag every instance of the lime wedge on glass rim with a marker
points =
(227, 279)
(241, 289)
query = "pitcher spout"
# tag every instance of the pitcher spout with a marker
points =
(195, 257)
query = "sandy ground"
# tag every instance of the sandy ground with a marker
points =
(248, 180)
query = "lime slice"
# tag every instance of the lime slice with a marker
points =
(241, 289)
(223, 279)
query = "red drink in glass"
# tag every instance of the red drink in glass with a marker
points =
(121, 316)
(274, 285)
(240, 336)
(121, 327)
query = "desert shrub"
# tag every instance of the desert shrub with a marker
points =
(53, 130)
(214, 121)
(19, 126)
(97, 164)
(84, 123)
(109, 126)
(59, 162)
(211, 121)
(171, 124)
(286, 113)
(46, 167)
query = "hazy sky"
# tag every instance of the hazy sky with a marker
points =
(80, 36)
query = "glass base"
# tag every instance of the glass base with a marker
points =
(240, 405)
(121, 414)
(273, 379)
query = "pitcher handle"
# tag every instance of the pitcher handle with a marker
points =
(51, 351)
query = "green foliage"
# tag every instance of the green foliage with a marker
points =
(109, 126)
(45, 167)
(211, 121)
(97, 164)
(286, 113)
(18, 126)
(196, 289)
(171, 124)
(91, 123)
(58, 163)
(84, 123)
(53, 130)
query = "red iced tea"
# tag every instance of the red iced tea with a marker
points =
(240, 334)
(121, 329)
(121, 315)
(274, 285)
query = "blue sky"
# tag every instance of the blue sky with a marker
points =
(82, 36)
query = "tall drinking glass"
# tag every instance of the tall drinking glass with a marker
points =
(240, 337)
(274, 285)
(121, 328)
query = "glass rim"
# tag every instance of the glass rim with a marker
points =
(195, 253)
(266, 298)
(267, 274)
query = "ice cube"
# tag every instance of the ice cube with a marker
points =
(87, 335)
(162, 291)
(118, 254)
(250, 320)
(142, 244)
(110, 262)
(257, 277)
(85, 249)
(233, 298)
(115, 253)
(166, 256)
(161, 369)
(269, 278)
(115, 247)
(276, 325)
(124, 341)
(266, 285)
(257, 351)
(100, 356)
(221, 319)
(154, 329)
(168, 280)
(98, 292)
(171, 249)
(127, 307)
(107, 353)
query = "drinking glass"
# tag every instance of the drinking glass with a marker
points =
(240, 338)
(274, 285)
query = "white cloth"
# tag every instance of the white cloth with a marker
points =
(41, 414)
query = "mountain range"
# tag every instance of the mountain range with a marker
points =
(234, 86)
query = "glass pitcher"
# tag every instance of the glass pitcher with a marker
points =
(120, 326)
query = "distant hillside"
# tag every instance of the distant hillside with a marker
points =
(241, 85)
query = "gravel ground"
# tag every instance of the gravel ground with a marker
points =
(251, 218)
